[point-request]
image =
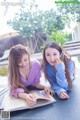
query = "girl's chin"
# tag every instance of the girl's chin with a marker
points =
(52, 64)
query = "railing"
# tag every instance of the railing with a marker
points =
(73, 48)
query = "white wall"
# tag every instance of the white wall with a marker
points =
(76, 32)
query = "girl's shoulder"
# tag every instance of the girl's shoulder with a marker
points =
(71, 62)
(36, 63)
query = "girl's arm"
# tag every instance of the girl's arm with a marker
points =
(31, 100)
(60, 75)
(14, 92)
(57, 89)
(20, 93)
(57, 80)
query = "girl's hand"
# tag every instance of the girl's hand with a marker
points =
(31, 100)
(49, 91)
(63, 95)
(58, 61)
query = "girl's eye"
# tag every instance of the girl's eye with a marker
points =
(54, 54)
(25, 60)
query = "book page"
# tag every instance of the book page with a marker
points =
(14, 104)
(41, 95)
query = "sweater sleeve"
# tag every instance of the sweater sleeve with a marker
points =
(58, 89)
(14, 92)
(58, 81)
(60, 76)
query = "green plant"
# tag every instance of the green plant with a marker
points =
(3, 71)
(60, 37)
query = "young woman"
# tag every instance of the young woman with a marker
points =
(58, 68)
(24, 74)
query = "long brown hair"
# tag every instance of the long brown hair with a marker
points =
(65, 57)
(15, 56)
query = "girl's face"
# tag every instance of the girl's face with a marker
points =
(52, 55)
(24, 61)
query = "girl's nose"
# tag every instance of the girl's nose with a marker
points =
(51, 58)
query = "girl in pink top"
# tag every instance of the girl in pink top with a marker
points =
(24, 74)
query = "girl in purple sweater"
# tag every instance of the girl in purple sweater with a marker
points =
(24, 74)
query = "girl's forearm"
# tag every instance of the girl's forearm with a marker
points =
(40, 86)
(22, 95)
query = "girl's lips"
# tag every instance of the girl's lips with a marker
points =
(52, 62)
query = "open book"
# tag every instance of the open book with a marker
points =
(14, 104)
